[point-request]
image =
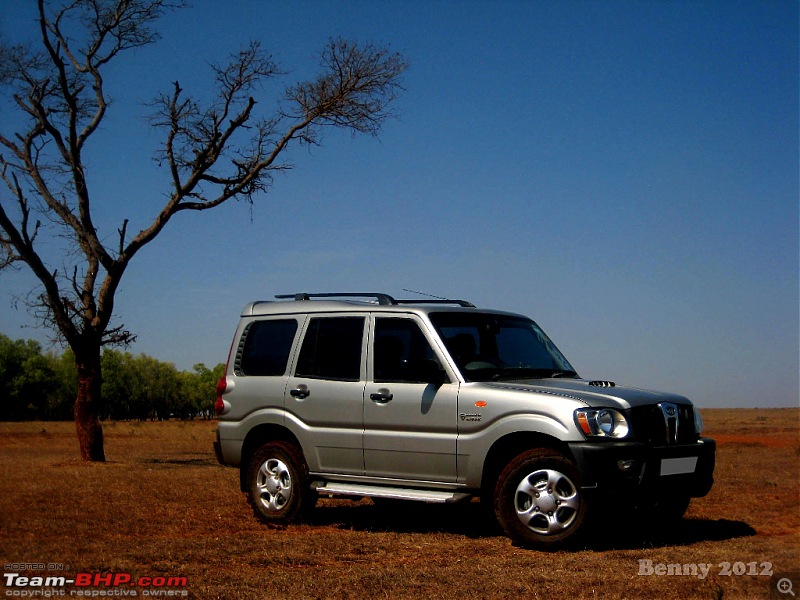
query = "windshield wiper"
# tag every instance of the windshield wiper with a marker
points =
(557, 374)
(529, 373)
(520, 373)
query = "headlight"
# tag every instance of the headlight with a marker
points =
(698, 421)
(603, 422)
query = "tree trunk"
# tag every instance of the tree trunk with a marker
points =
(87, 406)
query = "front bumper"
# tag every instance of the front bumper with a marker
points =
(632, 467)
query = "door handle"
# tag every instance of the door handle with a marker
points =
(300, 392)
(381, 396)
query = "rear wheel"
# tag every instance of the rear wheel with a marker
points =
(537, 500)
(277, 483)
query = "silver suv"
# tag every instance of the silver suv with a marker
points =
(438, 401)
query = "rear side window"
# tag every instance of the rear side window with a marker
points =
(266, 347)
(332, 349)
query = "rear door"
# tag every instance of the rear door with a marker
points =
(325, 393)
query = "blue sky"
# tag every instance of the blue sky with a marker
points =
(624, 172)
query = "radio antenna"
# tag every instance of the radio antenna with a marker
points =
(423, 294)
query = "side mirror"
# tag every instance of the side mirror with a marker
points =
(431, 372)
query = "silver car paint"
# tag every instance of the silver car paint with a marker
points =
(329, 421)
(436, 436)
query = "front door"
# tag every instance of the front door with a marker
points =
(410, 426)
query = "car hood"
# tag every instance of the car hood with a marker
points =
(593, 393)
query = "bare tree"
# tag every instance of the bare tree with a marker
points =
(214, 152)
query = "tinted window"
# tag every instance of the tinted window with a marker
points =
(494, 347)
(266, 347)
(523, 346)
(332, 349)
(400, 351)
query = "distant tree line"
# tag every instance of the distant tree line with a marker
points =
(35, 384)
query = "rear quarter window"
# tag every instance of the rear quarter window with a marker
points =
(265, 347)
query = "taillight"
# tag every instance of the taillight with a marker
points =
(222, 385)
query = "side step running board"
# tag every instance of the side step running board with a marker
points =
(378, 491)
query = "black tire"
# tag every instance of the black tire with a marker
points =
(277, 483)
(538, 502)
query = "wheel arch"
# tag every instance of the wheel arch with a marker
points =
(512, 445)
(257, 437)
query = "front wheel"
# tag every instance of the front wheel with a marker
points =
(537, 500)
(277, 483)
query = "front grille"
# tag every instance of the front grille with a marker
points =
(663, 424)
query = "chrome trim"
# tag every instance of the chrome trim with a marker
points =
(671, 419)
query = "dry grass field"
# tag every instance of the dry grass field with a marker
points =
(162, 506)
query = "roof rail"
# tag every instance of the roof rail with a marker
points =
(463, 303)
(383, 299)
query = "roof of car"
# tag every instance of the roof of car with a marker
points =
(375, 297)
(343, 301)
(303, 303)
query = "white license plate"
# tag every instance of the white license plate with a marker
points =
(678, 466)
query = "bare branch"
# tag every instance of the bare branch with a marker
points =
(214, 151)
(59, 88)
(354, 91)
(121, 232)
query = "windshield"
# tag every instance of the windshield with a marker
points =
(489, 347)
